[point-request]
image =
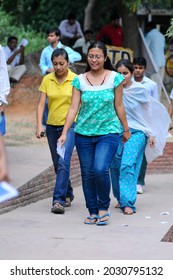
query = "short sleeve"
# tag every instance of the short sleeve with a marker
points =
(76, 83)
(118, 79)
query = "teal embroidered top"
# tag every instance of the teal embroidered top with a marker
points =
(97, 115)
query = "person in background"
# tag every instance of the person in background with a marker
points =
(15, 59)
(46, 66)
(170, 109)
(112, 33)
(147, 135)
(53, 37)
(140, 64)
(4, 90)
(156, 43)
(82, 44)
(57, 89)
(70, 30)
(98, 95)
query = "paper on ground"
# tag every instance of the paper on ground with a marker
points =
(60, 150)
(7, 191)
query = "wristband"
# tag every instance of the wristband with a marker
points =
(128, 130)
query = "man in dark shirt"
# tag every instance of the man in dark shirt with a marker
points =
(111, 34)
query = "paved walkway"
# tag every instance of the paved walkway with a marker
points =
(33, 232)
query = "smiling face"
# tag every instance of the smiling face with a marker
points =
(126, 74)
(96, 58)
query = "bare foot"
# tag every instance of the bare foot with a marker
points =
(91, 220)
(117, 205)
(128, 211)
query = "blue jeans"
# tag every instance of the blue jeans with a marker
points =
(63, 186)
(95, 155)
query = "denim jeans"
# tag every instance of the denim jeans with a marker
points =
(95, 155)
(63, 186)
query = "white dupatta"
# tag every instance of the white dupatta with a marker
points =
(147, 114)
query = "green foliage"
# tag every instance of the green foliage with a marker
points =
(169, 32)
(41, 14)
(37, 40)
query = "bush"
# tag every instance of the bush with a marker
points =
(37, 40)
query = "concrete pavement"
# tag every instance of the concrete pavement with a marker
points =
(33, 232)
(25, 162)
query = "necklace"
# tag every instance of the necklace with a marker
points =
(101, 82)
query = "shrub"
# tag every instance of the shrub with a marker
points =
(37, 40)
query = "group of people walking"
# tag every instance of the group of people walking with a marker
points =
(109, 117)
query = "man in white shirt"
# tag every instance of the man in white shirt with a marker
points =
(70, 30)
(156, 43)
(140, 64)
(15, 59)
(4, 89)
(82, 44)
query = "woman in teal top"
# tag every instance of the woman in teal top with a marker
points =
(98, 94)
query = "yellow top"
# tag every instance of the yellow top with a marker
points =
(59, 97)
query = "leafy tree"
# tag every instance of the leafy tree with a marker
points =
(169, 32)
(36, 40)
(41, 14)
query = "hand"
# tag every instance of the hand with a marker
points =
(152, 141)
(39, 132)
(1, 108)
(20, 50)
(62, 139)
(126, 136)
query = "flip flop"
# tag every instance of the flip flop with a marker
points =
(102, 223)
(91, 220)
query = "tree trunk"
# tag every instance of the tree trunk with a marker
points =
(131, 33)
(89, 14)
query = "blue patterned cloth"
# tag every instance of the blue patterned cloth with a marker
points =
(124, 189)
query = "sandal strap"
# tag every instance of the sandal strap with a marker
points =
(58, 205)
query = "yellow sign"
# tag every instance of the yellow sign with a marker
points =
(117, 53)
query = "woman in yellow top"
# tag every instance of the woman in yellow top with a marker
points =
(57, 88)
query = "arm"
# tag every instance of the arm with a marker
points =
(39, 113)
(45, 68)
(22, 56)
(72, 112)
(155, 93)
(4, 80)
(79, 30)
(73, 55)
(3, 162)
(119, 107)
(62, 28)
(100, 34)
(16, 52)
